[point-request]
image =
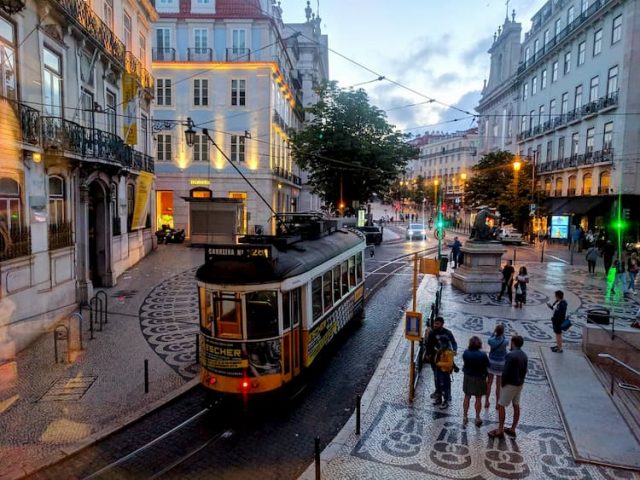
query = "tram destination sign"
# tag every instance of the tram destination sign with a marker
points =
(241, 251)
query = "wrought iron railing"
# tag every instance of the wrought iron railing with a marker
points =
(282, 173)
(15, 243)
(60, 235)
(199, 54)
(134, 65)
(163, 54)
(28, 118)
(238, 55)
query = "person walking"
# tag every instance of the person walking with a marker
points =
(559, 308)
(474, 383)
(444, 367)
(608, 251)
(592, 257)
(455, 251)
(433, 344)
(507, 281)
(497, 353)
(632, 268)
(619, 277)
(522, 279)
(515, 370)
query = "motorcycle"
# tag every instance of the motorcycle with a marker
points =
(170, 235)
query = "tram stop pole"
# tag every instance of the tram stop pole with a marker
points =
(412, 363)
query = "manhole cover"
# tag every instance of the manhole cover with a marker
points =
(68, 389)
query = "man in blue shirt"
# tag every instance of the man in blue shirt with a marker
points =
(455, 251)
(515, 370)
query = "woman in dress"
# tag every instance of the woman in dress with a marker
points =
(474, 383)
(521, 287)
(498, 345)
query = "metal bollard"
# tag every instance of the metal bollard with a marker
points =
(317, 457)
(358, 398)
(146, 376)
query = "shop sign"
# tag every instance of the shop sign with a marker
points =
(200, 182)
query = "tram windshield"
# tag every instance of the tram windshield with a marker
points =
(262, 314)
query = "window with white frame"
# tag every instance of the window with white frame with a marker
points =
(200, 40)
(577, 97)
(525, 91)
(582, 51)
(144, 132)
(200, 148)
(546, 37)
(142, 48)
(567, 62)
(534, 85)
(549, 150)
(107, 13)
(584, 6)
(564, 104)
(612, 81)
(532, 116)
(607, 139)
(200, 92)
(593, 88)
(541, 114)
(575, 143)
(552, 109)
(52, 86)
(527, 54)
(7, 60)
(10, 204)
(557, 27)
(543, 79)
(237, 148)
(128, 31)
(110, 112)
(164, 92)
(536, 46)
(590, 136)
(554, 72)
(560, 148)
(570, 15)
(523, 124)
(164, 147)
(597, 42)
(163, 44)
(86, 101)
(239, 41)
(616, 31)
(56, 200)
(238, 92)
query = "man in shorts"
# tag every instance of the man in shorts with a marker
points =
(515, 369)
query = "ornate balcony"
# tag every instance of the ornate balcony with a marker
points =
(238, 55)
(134, 66)
(91, 143)
(16, 244)
(282, 173)
(200, 54)
(163, 54)
(29, 119)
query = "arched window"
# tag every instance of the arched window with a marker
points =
(56, 201)
(605, 182)
(10, 204)
(586, 184)
(571, 190)
(547, 187)
(559, 186)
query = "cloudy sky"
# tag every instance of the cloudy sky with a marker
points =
(436, 48)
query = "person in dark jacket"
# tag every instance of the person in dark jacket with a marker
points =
(433, 344)
(515, 370)
(559, 308)
(608, 251)
(474, 383)
(455, 251)
(507, 281)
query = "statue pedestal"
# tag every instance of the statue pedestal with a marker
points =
(480, 272)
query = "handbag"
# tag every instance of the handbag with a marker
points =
(566, 324)
(518, 289)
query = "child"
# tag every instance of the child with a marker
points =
(444, 367)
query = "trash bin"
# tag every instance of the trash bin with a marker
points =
(598, 315)
(444, 260)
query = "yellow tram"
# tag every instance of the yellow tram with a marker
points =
(270, 304)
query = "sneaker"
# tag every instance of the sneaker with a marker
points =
(554, 348)
(437, 402)
(434, 395)
(444, 405)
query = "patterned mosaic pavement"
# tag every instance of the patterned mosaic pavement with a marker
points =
(410, 441)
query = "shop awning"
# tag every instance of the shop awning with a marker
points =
(575, 206)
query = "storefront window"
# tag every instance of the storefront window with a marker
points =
(164, 202)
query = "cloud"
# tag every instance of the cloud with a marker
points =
(478, 52)
(458, 120)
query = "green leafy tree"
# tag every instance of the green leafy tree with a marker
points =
(495, 183)
(349, 147)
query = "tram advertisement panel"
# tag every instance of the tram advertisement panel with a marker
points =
(232, 359)
(321, 333)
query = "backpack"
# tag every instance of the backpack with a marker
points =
(444, 361)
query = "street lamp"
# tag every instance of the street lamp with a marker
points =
(190, 133)
(463, 176)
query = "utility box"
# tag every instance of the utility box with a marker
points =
(215, 220)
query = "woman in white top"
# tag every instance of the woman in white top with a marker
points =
(521, 287)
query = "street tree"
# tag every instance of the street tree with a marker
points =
(495, 183)
(349, 148)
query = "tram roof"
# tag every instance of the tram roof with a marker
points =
(259, 263)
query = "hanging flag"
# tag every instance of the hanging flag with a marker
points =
(130, 104)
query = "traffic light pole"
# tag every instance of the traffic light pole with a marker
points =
(439, 223)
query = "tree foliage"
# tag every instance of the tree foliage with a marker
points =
(496, 184)
(349, 144)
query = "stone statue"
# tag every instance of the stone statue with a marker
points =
(481, 232)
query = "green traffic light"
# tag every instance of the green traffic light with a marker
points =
(619, 225)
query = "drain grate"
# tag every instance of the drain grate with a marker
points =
(68, 389)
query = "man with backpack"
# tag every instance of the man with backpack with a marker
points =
(434, 346)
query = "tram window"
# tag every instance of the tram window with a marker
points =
(286, 310)
(326, 291)
(359, 275)
(345, 278)
(352, 272)
(296, 311)
(316, 298)
(336, 283)
(262, 314)
(205, 310)
(228, 313)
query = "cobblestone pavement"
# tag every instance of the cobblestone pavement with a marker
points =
(408, 441)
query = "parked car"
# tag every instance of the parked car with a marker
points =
(508, 235)
(373, 234)
(416, 231)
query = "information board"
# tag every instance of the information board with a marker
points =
(560, 226)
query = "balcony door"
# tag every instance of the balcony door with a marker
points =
(99, 235)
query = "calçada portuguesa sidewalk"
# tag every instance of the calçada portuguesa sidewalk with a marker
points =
(48, 410)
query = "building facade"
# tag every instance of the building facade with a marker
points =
(75, 169)
(577, 110)
(231, 67)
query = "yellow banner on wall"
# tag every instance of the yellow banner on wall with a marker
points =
(141, 206)
(130, 105)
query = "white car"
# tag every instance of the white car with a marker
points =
(416, 231)
(508, 235)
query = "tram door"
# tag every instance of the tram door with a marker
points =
(291, 313)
